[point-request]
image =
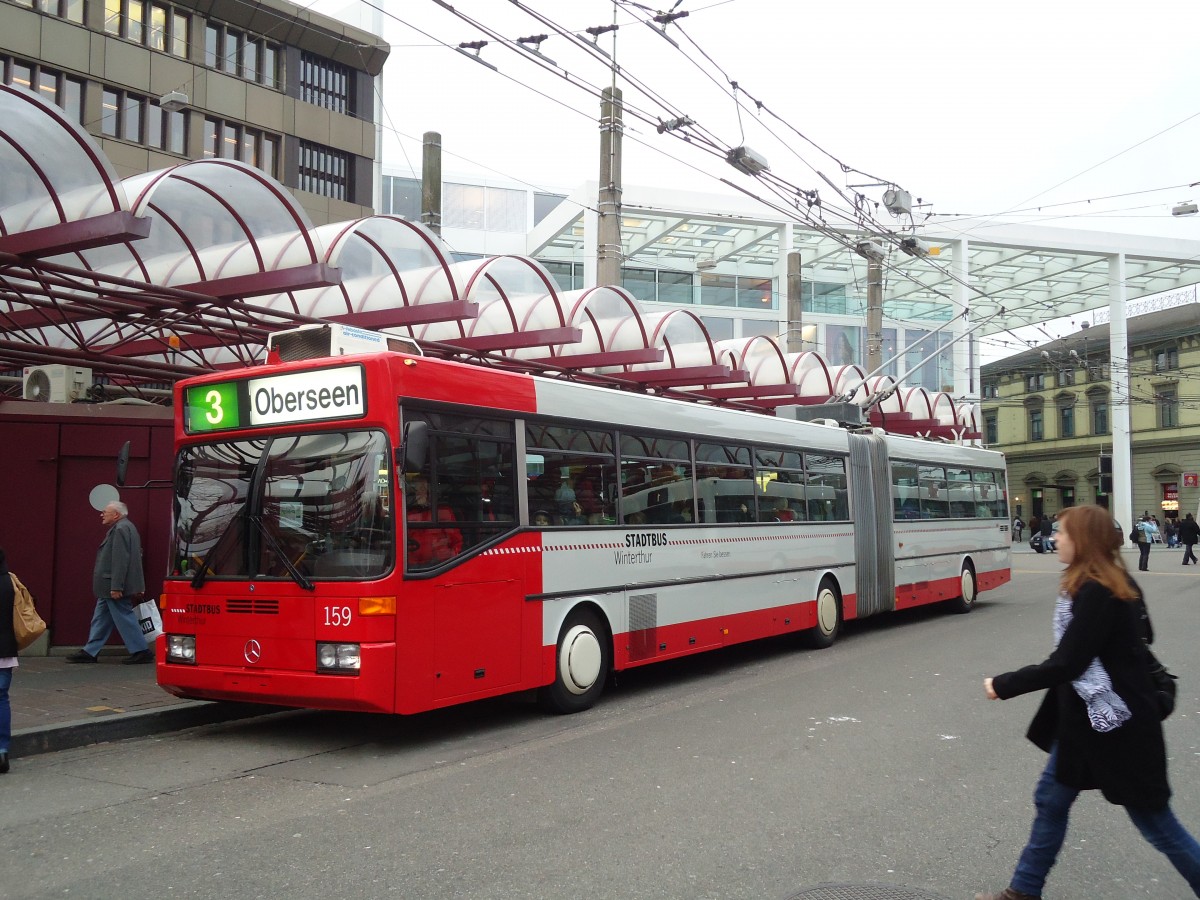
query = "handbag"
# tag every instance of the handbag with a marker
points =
(1164, 684)
(149, 619)
(1135, 536)
(27, 624)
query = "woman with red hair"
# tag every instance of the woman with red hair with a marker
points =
(1099, 720)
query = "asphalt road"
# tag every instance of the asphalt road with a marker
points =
(755, 772)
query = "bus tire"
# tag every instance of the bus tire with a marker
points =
(829, 615)
(581, 665)
(969, 587)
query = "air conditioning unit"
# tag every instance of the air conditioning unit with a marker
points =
(315, 341)
(55, 384)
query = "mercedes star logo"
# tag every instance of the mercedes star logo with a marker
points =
(252, 651)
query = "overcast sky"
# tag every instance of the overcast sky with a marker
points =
(981, 108)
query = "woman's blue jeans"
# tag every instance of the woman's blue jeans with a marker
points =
(5, 709)
(1053, 800)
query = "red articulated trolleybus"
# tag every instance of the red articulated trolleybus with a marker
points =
(394, 533)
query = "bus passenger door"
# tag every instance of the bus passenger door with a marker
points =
(871, 499)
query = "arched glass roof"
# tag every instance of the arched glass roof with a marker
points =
(189, 268)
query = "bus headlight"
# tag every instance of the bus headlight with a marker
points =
(344, 659)
(181, 648)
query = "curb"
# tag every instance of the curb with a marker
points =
(28, 742)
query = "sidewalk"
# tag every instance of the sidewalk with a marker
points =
(57, 705)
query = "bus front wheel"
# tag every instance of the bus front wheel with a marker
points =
(829, 615)
(581, 665)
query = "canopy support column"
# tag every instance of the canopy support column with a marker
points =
(1120, 414)
(966, 360)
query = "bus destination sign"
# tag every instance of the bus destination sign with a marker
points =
(276, 400)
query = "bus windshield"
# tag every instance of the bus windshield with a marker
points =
(298, 507)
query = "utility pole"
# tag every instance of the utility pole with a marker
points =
(431, 181)
(608, 249)
(795, 309)
(874, 312)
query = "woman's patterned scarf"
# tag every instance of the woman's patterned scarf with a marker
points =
(1106, 709)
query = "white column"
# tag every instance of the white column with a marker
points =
(966, 364)
(1120, 413)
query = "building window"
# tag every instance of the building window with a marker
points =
(51, 85)
(71, 10)
(1066, 421)
(241, 55)
(139, 120)
(326, 83)
(544, 204)
(1168, 407)
(1036, 432)
(741, 291)
(719, 328)
(402, 197)
(1100, 416)
(1097, 371)
(991, 390)
(826, 297)
(166, 130)
(154, 25)
(1166, 359)
(936, 373)
(991, 430)
(568, 275)
(481, 208)
(1035, 382)
(230, 140)
(325, 171)
(1064, 377)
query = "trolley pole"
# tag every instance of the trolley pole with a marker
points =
(608, 249)
(431, 181)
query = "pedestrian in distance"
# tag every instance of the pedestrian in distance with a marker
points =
(1099, 721)
(1047, 526)
(1146, 532)
(117, 580)
(1170, 534)
(1189, 534)
(1018, 527)
(8, 658)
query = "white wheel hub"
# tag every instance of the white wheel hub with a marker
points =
(827, 611)
(579, 661)
(968, 586)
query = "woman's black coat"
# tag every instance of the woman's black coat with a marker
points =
(1129, 763)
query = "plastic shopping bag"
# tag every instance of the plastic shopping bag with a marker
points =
(149, 619)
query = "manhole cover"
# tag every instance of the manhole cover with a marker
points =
(863, 892)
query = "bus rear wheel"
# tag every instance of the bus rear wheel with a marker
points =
(581, 665)
(829, 615)
(969, 587)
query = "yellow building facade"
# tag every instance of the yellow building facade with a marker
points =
(1051, 409)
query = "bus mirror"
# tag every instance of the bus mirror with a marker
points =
(415, 446)
(122, 463)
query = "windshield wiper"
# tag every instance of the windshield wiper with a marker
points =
(202, 573)
(297, 576)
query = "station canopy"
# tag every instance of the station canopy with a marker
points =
(1008, 275)
(177, 272)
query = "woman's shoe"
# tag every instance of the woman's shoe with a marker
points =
(4, 763)
(1007, 894)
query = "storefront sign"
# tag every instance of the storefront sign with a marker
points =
(1191, 479)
